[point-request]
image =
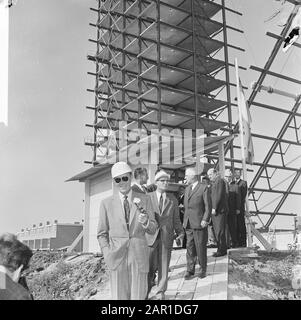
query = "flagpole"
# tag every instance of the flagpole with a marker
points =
(244, 165)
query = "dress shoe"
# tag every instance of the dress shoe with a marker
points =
(219, 254)
(188, 275)
(211, 245)
(202, 275)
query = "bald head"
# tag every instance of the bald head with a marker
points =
(212, 174)
(191, 175)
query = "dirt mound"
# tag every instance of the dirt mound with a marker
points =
(265, 277)
(60, 276)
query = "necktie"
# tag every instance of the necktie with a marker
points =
(161, 203)
(227, 187)
(126, 206)
(190, 190)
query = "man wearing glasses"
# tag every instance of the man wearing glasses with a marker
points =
(124, 220)
(167, 215)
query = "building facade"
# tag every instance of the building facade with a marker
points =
(53, 236)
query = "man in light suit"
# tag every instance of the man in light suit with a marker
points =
(124, 220)
(219, 211)
(14, 258)
(241, 224)
(167, 215)
(196, 219)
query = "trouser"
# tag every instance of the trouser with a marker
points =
(196, 247)
(211, 236)
(227, 233)
(219, 226)
(232, 226)
(127, 282)
(241, 230)
(159, 259)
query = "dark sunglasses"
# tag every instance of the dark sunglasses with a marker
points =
(117, 180)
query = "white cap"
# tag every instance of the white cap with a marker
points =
(228, 173)
(161, 174)
(190, 172)
(120, 168)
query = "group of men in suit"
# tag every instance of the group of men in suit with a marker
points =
(136, 230)
(138, 225)
(232, 191)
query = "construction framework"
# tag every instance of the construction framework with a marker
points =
(165, 64)
(160, 64)
(263, 182)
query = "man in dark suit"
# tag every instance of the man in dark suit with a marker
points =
(140, 181)
(241, 225)
(14, 258)
(166, 209)
(197, 215)
(211, 236)
(141, 177)
(181, 196)
(234, 205)
(219, 211)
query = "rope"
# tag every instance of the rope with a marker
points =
(246, 39)
(277, 12)
(274, 15)
(285, 62)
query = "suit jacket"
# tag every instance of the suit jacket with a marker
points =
(116, 240)
(135, 188)
(234, 197)
(243, 190)
(10, 290)
(168, 221)
(219, 196)
(149, 188)
(197, 206)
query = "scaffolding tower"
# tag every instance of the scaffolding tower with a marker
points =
(165, 64)
(160, 64)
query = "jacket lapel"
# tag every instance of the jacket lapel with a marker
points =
(133, 207)
(118, 210)
(166, 203)
(155, 202)
(194, 190)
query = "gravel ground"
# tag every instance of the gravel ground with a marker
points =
(265, 277)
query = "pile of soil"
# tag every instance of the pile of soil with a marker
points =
(59, 276)
(267, 276)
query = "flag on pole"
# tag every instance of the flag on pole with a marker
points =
(245, 121)
(4, 22)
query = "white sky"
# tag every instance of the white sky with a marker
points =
(4, 24)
